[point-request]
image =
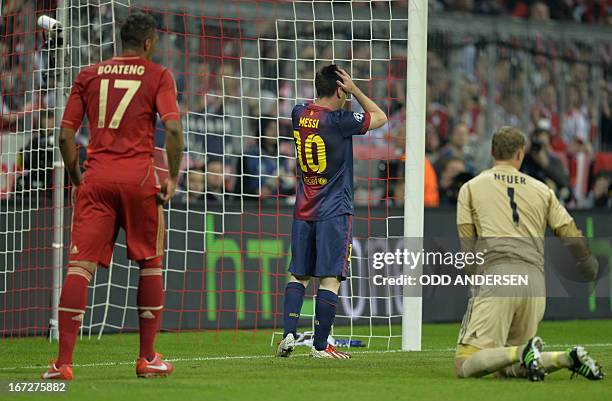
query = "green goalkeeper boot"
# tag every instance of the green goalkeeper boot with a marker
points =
(584, 365)
(530, 359)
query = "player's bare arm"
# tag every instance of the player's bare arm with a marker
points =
(378, 117)
(174, 150)
(70, 156)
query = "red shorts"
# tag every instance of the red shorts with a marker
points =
(102, 208)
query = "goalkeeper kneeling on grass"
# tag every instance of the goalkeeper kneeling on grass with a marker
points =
(511, 211)
(322, 227)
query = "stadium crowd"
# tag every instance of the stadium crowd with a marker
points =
(584, 11)
(239, 140)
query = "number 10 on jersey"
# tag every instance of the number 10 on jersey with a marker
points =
(310, 151)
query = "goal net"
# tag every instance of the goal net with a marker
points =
(240, 67)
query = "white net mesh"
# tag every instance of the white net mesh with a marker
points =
(240, 68)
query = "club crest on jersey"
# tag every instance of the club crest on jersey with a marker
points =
(358, 116)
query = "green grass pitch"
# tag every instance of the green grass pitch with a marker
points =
(225, 366)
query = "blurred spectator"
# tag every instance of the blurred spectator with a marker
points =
(489, 7)
(539, 12)
(586, 11)
(509, 111)
(455, 148)
(215, 182)
(260, 162)
(601, 193)
(464, 6)
(437, 112)
(207, 185)
(575, 121)
(195, 186)
(475, 82)
(472, 107)
(546, 109)
(542, 164)
(432, 196)
(7, 118)
(452, 176)
(432, 144)
(8, 114)
(204, 127)
(36, 158)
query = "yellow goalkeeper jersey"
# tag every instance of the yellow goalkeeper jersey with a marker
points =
(511, 210)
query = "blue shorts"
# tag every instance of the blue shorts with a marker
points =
(322, 248)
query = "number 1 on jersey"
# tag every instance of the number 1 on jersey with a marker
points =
(131, 86)
(513, 206)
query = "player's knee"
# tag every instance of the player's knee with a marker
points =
(304, 280)
(82, 269)
(150, 267)
(330, 284)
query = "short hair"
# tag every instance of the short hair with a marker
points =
(325, 81)
(506, 142)
(137, 28)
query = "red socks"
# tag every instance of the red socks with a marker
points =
(150, 304)
(73, 301)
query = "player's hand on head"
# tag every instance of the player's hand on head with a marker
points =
(167, 190)
(345, 81)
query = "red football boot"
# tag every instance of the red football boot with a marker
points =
(155, 368)
(64, 372)
(330, 353)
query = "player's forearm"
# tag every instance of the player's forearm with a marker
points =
(174, 147)
(378, 117)
(467, 239)
(573, 239)
(69, 155)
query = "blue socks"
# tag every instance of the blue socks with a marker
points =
(294, 297)
(325, 312)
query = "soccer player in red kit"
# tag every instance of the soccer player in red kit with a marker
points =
(119, 189)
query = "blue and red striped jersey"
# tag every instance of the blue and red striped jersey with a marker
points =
(324, 149)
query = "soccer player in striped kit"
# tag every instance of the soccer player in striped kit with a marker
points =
(322, 227)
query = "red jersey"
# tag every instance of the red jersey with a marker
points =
(121, 98)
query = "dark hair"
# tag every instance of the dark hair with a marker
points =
(506, 141)
(325, 81)
(137, 28)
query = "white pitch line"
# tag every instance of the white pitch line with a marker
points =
(239, 357)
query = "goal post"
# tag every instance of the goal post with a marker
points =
(416, 82)
(57, 58)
